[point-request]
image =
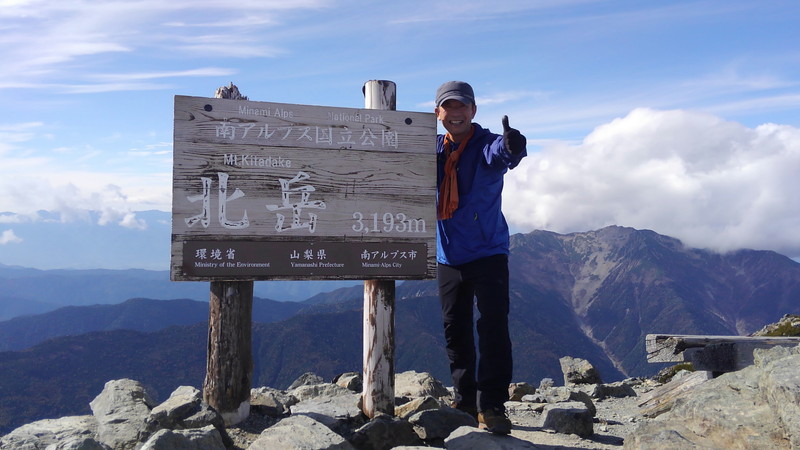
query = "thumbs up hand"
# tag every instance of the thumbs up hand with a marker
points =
(514, 140)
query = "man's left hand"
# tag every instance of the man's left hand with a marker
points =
(515, 141)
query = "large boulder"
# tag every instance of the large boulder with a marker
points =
(271, 402)
(578, 371)
(350, 380)
(309, 391)
(560, 394)
(416, 405)
(569, 418)
(185, 410)
(383, 433)
(418, 384)
(306, 379)
(469, 438)
(54, 432)
(207, 438)
(779, 382)
(338, 412)
(756, 407)
(121, 410)
(434, 425)
(299, 433)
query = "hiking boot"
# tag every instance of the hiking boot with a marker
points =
(471, 410)
(495, 421)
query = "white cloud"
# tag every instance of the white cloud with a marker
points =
(8, 237)
(709, 182)
(202, 72)
(73, 194)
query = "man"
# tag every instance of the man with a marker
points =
(472, 253)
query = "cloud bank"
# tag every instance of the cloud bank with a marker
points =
(711, 183)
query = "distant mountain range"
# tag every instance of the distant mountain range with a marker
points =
(136, 314)
(593, 295)
(25, 291)
(68, 248)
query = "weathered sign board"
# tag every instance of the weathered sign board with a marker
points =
(271, 191)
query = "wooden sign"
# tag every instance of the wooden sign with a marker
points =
(279, 191)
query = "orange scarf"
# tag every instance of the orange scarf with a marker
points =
(448, 191)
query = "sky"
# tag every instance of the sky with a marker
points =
(681, 117)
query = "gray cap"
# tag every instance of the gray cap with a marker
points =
(457, 90)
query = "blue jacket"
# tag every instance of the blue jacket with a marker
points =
(478, 227)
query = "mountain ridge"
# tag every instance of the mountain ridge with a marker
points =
(26, 291)
(591, 295)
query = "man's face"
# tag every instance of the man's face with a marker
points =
(456, 117)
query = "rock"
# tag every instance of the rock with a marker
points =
(300, 433)
(715, 413)
(578, 371)
(55, 432)
(560, 394)
(185, 409)
(601, 391)
(337, 413)
(779, 382)
(207, 438)
(350, 380)
(546, 383)
(308, 391)
(437, 424)
(755, 407)
(305, 379)
(271, 402)
(183, 402)
(416, 405)
(578, 396)
(534, 398)
(788, 325)
(201, 418)
(469, 438)
(520, 407)
(414, 384)
(121, 410)
(569, 418)
(517, 390)
(84, 443)
(383, 433)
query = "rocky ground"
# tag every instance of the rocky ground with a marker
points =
(616, 418)
(755, 407)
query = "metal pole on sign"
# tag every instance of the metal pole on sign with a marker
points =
(378, 346)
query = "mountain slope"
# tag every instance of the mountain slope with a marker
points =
(593, 295)
(61, 376)
(25, 291)
(622, 284)
(137, 314)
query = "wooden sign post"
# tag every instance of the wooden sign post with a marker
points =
(275, 191)
(378, 340)
(229, 359)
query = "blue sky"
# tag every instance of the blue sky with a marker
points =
(682, 117)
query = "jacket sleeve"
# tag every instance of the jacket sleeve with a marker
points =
(496, 155)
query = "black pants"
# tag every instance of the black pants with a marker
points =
(486, 280)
